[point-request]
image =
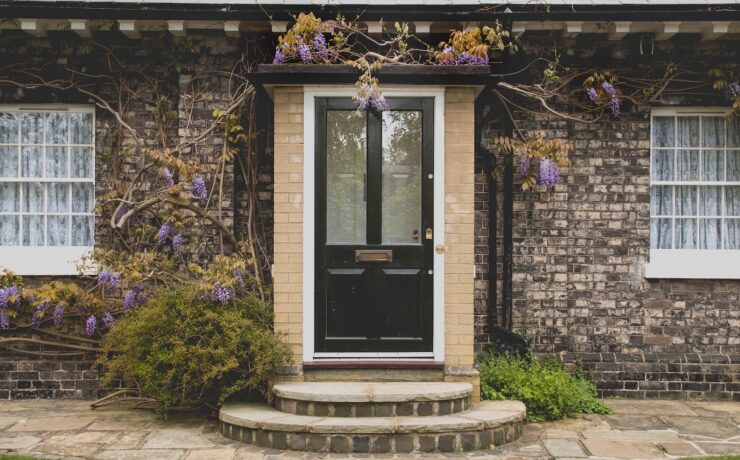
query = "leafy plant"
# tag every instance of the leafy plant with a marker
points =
(187, 348)
(548, 390)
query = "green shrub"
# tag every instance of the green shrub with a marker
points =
(548, 390)
(185, 348)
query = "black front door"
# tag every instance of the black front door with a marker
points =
(374, 247)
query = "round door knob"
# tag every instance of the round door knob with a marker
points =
(439, 249)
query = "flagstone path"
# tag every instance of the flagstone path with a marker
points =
(637, 429)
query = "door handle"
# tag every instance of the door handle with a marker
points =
(373, 255)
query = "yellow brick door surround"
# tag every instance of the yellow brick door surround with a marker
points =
(292, 226)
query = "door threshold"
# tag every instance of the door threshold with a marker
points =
(355, 363)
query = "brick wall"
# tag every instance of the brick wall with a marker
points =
(288, 233)
(580, 251)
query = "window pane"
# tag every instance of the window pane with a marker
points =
(33, 230)
(663, 131)
(733, 166)
(685, 233)
(33, 197)
(713, 166)
(56, 128)
(401, 216)
(8, 161)
(732, 201)
(733, 132)
(687, 165)
(32, 161)
(56, 162)
(81, 128)
(713, 131)
(662, 165)
(709, 234)
(661, 200)
(82, 164)
(9, 230)
(32, 128)
(710, 201)
(57, 230)
(686, 201)
(8, 197)
(82, 197)
(57, 198)
(82, 230)
(732, 233)
(688, 132)
(8, 128)
(346, 164)
(660, 233)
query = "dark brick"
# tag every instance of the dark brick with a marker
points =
(360, 444)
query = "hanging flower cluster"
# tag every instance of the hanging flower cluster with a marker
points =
(471, 47)
(168, 234)
(727, 82)
(600, 90)
(304, 42)
(548, 156)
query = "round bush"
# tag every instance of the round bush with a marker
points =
(185, 349)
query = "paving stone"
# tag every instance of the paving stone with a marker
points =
(86, 437)
(680, 448)
(714, 428)
(8, 421)
(437, 424)
(631, 435)
(636, 422)
(360, 425)
(75, 450)
(19, 442)
(557, 433)
(224, 453)
(564, 448)
(140, 454)
(51, 424)
(129, 440)
(720, 448)
(177, 438)
(623, 449)
(117, 425)
(642, 407)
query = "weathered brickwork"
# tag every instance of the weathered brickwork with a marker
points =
(580, 252)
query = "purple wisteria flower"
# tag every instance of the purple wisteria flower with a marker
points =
(524, 165)
(466, 58)
(239, 276)
(363, 97)
(121, 212)
(6, 294)
(279, 57)
(134, 297)
(221, 293)
(733, 89)
(198, 188)
(177, 242)
(379, 102)
(615, 105)
(593, 96)
(549, 173)
(91, 325)
(38, 314)
(110, 279)
(58, 315)
(609, 89)
(164, 233)
(304, 52)
(4, 320)
(319, 46)
(108, 319)
(448, 51)
(168, 178)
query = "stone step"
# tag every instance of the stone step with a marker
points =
(371, 399)
(490, 423)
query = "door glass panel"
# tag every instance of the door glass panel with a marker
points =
(346, 175)
(402, 177)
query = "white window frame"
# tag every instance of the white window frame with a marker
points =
(49, 260)
(309, 186)
(691, 263)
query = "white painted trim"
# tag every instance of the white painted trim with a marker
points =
(44, 260)
(693, 264)
(309, 94)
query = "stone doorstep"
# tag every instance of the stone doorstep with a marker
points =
(488, 414)
(365, 392)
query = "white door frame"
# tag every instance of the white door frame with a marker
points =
(309, 95)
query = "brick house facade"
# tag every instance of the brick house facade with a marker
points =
(579, 288)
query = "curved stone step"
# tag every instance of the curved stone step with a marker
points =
(371, 399)
(491, 423)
